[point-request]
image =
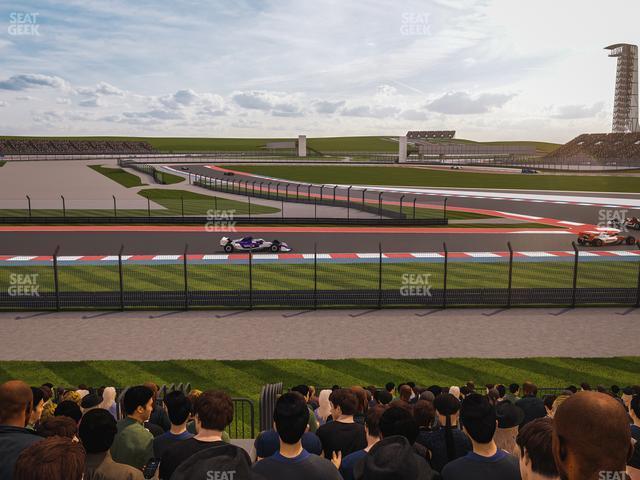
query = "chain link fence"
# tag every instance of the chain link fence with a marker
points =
(316, 280)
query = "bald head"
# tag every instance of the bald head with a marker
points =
(591, 434)
(16, 399)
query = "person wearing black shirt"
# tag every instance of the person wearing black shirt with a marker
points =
(213, 412)
(532, 405)
(342, 434)
(292, 462)
(486, 461)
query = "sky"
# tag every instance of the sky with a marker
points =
(489, 69)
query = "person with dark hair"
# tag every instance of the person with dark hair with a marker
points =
(532, 406)
(362, 404)
(342, 434)
(89, 402)
(306, 394)
(38, 405)
(591, 435)
(502, 391)
(213, 413)
(292, 461)
(464, 391)
(97, 432)
(425, 413)
(384, 397)
(54, 458)
(68, 408)
(158, 417)
(547, 401)
(513, 395)
(435, 389)
(572, 388)
(178, 408)
(16, 401)
(447, 442)
(393, 457)
(391, 388)
(372, 431)
(634, 413)
(486, 461)
(133, 444)
(509, 418)
(585, 387)
(62, 426)
(536, 454)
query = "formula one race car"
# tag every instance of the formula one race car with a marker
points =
(605, 236)
(246, 244)
(630, 223)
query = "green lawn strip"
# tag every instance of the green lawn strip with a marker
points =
(245, 378)
(170, 178)
(200, 204)
(408, 176)
(125, 179)
(2, 162)
(283, 276)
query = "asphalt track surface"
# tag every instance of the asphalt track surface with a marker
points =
(574, 213)
(147, 240)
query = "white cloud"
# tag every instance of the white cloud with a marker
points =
(3, 104)
(461, 103)
(325, 106)
(26, 81)
(569, 112)
(369, 111)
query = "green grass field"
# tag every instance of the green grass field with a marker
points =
(342, 276)
(118, 175)
(171, 179)
(245, 378)
(420, 177)
(2, 162)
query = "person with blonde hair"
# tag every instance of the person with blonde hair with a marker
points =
(109, 401)
(324, 409)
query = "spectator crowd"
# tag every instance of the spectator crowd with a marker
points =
(399, 432)
(19, 146)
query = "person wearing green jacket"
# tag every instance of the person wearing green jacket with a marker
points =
(133, 444)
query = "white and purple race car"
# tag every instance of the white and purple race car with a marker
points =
(246, 244)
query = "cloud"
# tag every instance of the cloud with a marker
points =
(63, 101)
(208, 102)
(104, 88)
(461, 103)
(156, 114)
(91, 102)
(25, 98)
(324, 106)
(32, 80)
(413, 114)
(368, 111)
(278, 103)
(3, 104)
(568, 112)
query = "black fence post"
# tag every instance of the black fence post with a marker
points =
(286, 192)
(29, 203)
(309, 192)
(380, 205)
(186, 277)
(446, 271)
(638, 293)
(315, 276)
(334, 194)
(115, 206)
(414, 208)
(148, 207)
(349, 199)
(445, 207)
(268, 189)
(297, 191)
(282, 208)
(56, 284)
(277, 191)
(251, 279)
(121, 277)
(401, 199)
(510, 274)
(575, 275)
(64, 207)
(363, 192)
(321, 192)
(379, 275)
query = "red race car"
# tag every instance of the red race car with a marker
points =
(604, 236)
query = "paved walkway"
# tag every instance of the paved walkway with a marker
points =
(322, 334)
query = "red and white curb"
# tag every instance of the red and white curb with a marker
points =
(293, 257)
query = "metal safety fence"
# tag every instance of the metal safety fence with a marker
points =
(318, 280)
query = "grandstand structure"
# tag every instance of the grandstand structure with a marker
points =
(625, 107)
(431, 134)
(35, 149)
(605, 150)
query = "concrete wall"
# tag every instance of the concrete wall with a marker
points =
(402, 149)
(302, 145)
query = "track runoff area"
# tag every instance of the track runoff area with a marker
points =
(550, 222)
